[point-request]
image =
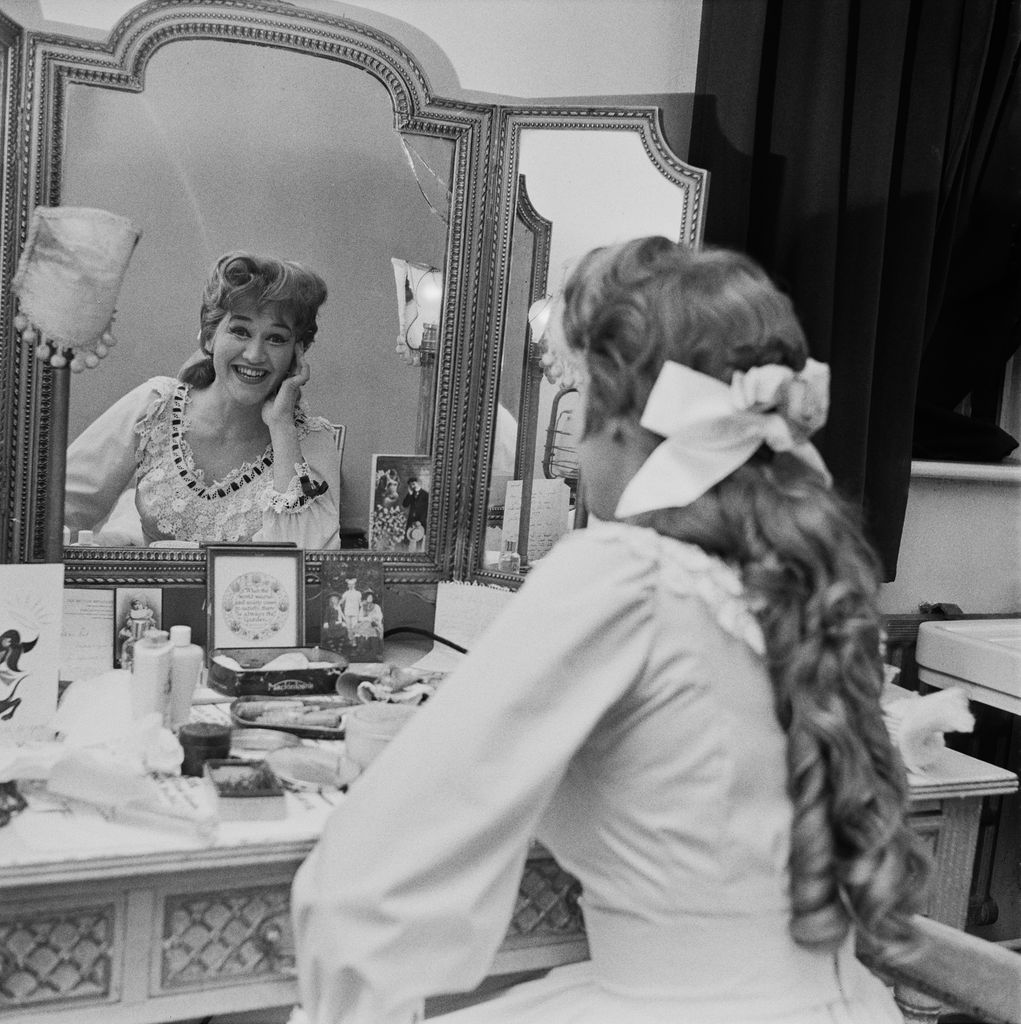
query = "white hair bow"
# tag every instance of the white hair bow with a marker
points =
(711, 428)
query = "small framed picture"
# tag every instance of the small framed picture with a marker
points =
(352, 608)
(255, 596)
(136, 611)
(399, 516)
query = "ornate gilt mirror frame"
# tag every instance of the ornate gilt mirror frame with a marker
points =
(36, 398)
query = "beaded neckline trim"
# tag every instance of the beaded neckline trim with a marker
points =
(180, 452)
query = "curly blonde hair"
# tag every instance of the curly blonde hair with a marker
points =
(808, 572)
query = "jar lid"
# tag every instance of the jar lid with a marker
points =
(203, 731)
(180, 636)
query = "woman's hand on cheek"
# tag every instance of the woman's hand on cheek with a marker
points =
(279, 410)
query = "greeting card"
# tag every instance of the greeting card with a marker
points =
(31, 604)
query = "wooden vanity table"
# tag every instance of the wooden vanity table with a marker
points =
(106, 922)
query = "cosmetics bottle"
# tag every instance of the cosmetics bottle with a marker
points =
(186, 661)
(510, 560)
(150, 674)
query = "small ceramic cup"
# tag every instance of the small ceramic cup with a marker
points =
(368, 728)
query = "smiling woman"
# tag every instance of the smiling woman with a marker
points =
(226, 452)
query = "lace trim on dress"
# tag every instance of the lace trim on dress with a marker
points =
(715, 583)
(301, 490)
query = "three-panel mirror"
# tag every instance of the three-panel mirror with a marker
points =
(315, 138)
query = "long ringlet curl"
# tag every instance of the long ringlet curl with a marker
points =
(809, 574)
(242, 278)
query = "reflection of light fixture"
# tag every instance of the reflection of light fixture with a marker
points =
(559, 457)
(538, 320)
(419, 302)
(67, 281)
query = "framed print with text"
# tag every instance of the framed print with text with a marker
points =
(255, 596)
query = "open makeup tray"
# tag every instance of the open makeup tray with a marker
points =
(310, 717)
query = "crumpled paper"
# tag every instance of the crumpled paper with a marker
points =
(918, 724)
(397, 685)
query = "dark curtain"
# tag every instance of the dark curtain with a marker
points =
(852, 145)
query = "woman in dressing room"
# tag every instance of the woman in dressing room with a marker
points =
(682, 703)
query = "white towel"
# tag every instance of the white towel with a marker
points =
(918, 724)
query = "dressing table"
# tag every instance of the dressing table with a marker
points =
(105, 922)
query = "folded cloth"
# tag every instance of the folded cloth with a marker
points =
(918, 724)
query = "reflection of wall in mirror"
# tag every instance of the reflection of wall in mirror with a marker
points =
(611, 192)
(280, 170)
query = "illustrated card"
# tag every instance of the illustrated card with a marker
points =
(31, 609)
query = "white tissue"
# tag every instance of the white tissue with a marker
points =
(101, 778)
(104, 779)
(29, 761)
(97, 713)
(290, 661)
(918, 724)
(94, 710)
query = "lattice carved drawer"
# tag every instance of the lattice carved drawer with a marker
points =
(64, 955)
(225, 936)
(547, 902)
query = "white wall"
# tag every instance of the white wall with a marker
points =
(523, 48)
(961, 544)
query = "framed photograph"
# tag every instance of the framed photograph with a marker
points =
(31, 609)
(399, 515)
(255, 596)
(135, 612)
(352, 608)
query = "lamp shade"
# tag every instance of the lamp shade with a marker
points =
(68, 278)
(419, 302)
(539, 316)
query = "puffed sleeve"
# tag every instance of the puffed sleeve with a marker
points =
(307, 513)
(101, 461)
(411, 887)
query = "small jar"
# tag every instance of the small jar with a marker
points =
(510, 560)
(201, 742)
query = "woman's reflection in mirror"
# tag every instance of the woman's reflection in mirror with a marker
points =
(224, 451)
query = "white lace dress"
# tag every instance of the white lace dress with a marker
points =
(619, 711)
(141, 442)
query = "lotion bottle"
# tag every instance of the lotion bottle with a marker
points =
(510, 560)
(186, 661)
(150, 674)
